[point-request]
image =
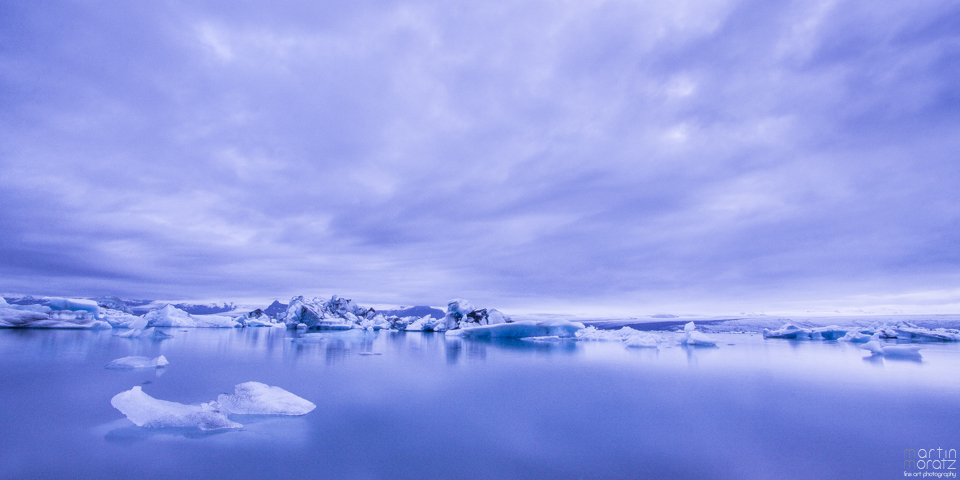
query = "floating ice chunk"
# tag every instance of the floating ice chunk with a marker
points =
(169, 316)
(31, 318)
(255, 398)
(643, 341)
(214, 321)
(146, 411)
(529, 328)
(127, 363)
(926, 335)
(74, 304)
(594, 334)
(692, 337)
(427, 323)
(793, 332)
(854, 336)
(891, 351)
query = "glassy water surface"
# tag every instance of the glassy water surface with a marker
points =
(422, 406)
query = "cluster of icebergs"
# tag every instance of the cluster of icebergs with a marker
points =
(640, 339)
(872, 338)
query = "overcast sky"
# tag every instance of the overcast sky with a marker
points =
(647, 156)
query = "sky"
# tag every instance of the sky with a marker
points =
(619, 157)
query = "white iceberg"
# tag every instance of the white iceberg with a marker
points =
(170, 316)
(73, 304)
(250, 398)
(926, 335)
(255, 398)
(527, 328)
(792, 332)
(692, 337)
(643, 341)
(146, 411)
(13, 317)
(127, 363)
(891, 351)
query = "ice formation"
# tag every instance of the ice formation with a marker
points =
(793, 332)
(643, 341)
(692, 337)
(255, 398)
(127, 363)
(891, 351)
(527, 328)
(146, 411)
(170, 316)
(250, 398)
(258, 318)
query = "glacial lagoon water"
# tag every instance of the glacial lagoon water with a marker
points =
(422, 406)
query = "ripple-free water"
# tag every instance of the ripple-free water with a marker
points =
(422, 406)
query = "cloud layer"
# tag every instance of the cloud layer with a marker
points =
(658, 154)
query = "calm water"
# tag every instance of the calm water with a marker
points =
(430, 407)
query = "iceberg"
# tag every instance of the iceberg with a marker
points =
(129, 363)
(336, 313)
(527, 328)
(146, 411)
(643, 341)
(170, 316)
(255, 398)
(259, 318)
(73, 304)
(250, 398)
(792, 332)
(692, 337)
(891, 351)
(926, 335)
(12, 317)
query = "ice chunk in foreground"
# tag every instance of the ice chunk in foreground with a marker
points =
(146, 411)
(692, 337)
(528, 328)
(255, 398)
(137, 362)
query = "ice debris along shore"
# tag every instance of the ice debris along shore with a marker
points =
(250, 398)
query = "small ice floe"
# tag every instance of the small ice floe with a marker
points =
(250, 398)
(644, 341)
(914, 333)
(146, 411)
(854, 336)
(793, 332)
(692, 337)
(129, 363)
(527, 328)
(891, 351)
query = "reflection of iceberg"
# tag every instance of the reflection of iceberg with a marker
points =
(692, 337)
(250, 398)
(126, 363)
(528, 328)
